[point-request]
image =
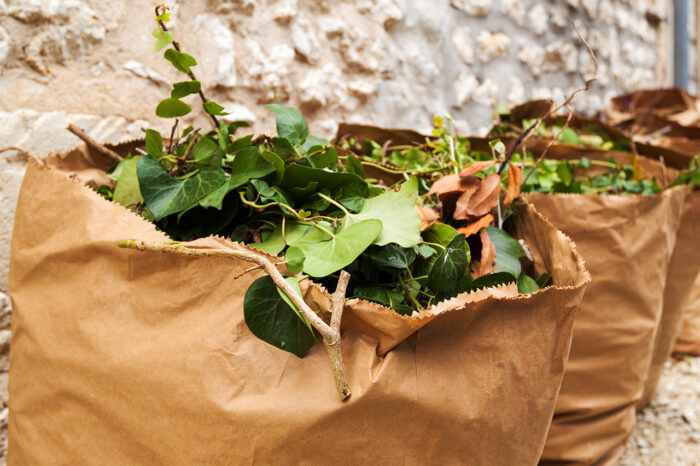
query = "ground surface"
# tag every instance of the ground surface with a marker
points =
(668, 430)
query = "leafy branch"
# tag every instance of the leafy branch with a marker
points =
(330, 333)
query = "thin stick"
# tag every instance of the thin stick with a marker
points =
(546, 149)
(330, 334)
(18, 149)
(172, 135)
(176, 46)
(333, 345)
(101, 148)
(248, 270)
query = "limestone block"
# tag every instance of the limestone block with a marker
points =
(462, 40)
(473, 7)
(490, 45)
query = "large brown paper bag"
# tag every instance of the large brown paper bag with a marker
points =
(123, 357)
(688, 341)
(627, 242)
(682, 271)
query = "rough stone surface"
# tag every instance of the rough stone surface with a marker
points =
(386, 62)
(668, 430)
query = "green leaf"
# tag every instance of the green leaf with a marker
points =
(299, 176)
(440, 233)
(165, 17)
(424, 250)
(294, 258)
(353, 165)
(526, 284)
(543, 280)
(392, 255)
(324, 157)
(212, 108)
(294, 283)
(272, 320)
(508, 251)
(126, 191)
(290, 123)
(270, 193)
(564, 173)
(276, 161)
(492, 279)
(171, 108)
(378, 294)
(326, 257)
(310, 142)
(164, 195)
(397, 214)
(154, 143)
(203, 151)
(569, 136)
(247, 164)
(185, 88)
(180, 60)
(163, 38)
(450, 266)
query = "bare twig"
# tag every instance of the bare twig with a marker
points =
(333, 345)
(552, 111)
(248, 270)
(549, 144)
(160, 9)
(172, 136)
(330, 333)
(18, 149)
(101, 148)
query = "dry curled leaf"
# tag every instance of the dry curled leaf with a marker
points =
(486, 197)
(477, 225)
(427, 215)
(450, 184)
(475, 168)
(488, 256)
(515, 180)
(462, 204)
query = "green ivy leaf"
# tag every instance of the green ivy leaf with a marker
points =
(526, 284)
(212, 108)
(440, 233)
(450, 266)
(397, 214)
(290, 123)
(392, 255)
(185, 88)
(294, 283)
(276, 161)
(247, 164)
(323, 157)
(508, 251)
(299, 176)
(326, 257)
(203, 151)
(165, 17)
(126, 191)
(272, 320)
(164, 195)
(294, 258)
(543, 280)
(154, 143)
(163, 38)
(180, 60)
(353, 165)
(379, 294)
(171, 108)
(492, 279)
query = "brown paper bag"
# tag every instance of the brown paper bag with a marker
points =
(627, 242)
(688, 341)
(682, 271)
(671, 103)
(122, 357)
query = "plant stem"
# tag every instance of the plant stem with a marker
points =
(332, 201)
(176, 45)
(437, 245)
(330, 334)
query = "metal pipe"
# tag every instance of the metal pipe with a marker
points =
(680, 43)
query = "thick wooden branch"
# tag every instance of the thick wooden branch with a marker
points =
(330, 333)
(101, 148)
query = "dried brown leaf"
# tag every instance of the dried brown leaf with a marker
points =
(428, 216)
(450, 184)
(515, 180)
(486, 197)
(477, 225)
(462, 204)
(488, 255)
(475, 168)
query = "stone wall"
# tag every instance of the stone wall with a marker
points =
(388, 62)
